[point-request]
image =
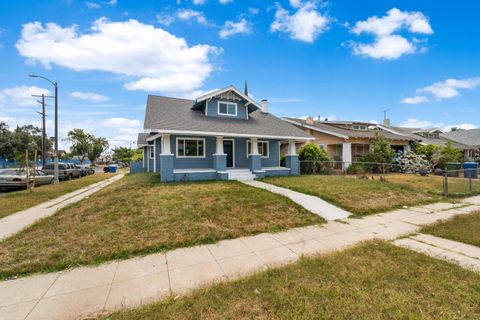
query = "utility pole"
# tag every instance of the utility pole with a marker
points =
(44, 134)
(55, 161)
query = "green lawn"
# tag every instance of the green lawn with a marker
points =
(372, 281)
(24, 199)
(359, 196)
(139, 215)
(464, 228)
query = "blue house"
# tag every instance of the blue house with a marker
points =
(221, 135)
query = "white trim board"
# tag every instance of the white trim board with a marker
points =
(223, 134)
(190, 157)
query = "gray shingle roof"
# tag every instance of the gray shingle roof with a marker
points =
(164, 113)
(142, 138)
(440, 141)
(468, 137)
(370, 133)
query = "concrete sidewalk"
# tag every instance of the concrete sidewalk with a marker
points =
(313, 204)
(16, 222)
(129, 283)
(465, 255)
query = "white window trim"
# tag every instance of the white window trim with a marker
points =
(261, 141)
(227, 114)
(150, 151)
(190, 157)
(233, 151)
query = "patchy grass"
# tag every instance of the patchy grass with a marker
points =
(464, 228)
(359, 196)
(373, 281)
(458, 187)
(139, 215)
(20, 200)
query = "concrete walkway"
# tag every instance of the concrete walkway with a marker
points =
(313, 204)
(89, 290)
(16, 222)
(465, 255)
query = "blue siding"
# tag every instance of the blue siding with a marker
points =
(212, 109)
(150, 161)
(194, 163)
(240, 157)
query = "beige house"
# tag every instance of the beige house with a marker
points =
(348, 141)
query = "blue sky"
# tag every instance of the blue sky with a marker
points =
(344, 60)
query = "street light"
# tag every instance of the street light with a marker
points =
(55, 161)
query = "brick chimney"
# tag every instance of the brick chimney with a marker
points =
(309, 120)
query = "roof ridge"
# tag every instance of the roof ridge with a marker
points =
(159, 96)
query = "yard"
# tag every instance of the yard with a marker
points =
(372, 281)
(359, 196)
(465, 228)
(139, 215)
(20, 200)
(458, 187)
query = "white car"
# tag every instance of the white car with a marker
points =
(16, 178)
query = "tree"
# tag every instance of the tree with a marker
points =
(81, 142)
(86, 145)
(138, 155)
(124, 154)
(446, 154)
(6, 145)
(311, 151)
(98, 146)
(427, 150)
(381, 151)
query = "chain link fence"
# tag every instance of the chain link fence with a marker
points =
(447, 182)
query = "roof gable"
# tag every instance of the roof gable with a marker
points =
(229, 93)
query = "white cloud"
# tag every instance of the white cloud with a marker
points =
(253, 11)
(92, 5)
(387, 44)
(415, 100)
(231, 28)
(464, 126)
(21, 96)
(165, 19)
(112, 2)
(422, 124)
(154, 59)
(121, 122)
(89, 96)
(304, 25)
(450, 87)
(188, 14)
(198, 2)
(225, 1)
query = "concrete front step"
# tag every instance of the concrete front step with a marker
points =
(241, 174)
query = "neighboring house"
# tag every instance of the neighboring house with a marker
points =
(348, 141)
(470, 138)
(221, 135)
(437, 137)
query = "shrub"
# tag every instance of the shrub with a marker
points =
(356, 168)
(446, 154)
(311, 151)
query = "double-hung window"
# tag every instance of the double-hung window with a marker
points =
(227, 108)
(190, 148)
(262, 148)
(152, 152)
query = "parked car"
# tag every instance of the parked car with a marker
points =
(66, 171)
(83, 171)
(17, 178)
(86, 169)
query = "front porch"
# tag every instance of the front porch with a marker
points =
(188, 157)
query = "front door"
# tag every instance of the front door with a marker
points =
(228, 150)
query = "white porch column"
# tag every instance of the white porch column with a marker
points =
(219, 149)
(254, 146)
(346, 154)
(292, 149)
(407, 148)
(166, 149)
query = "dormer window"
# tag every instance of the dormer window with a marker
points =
(227, 108)
(360, 128)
